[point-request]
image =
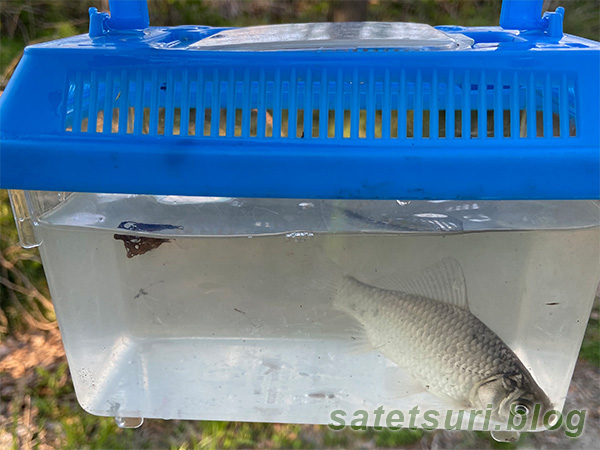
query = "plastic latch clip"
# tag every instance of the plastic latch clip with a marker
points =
(526, 15)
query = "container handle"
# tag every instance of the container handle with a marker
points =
(526, 15)
(124, 15)
(520, 14)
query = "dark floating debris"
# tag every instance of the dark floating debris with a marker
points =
(138, 245)
(147, 227)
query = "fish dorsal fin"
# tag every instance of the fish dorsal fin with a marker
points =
(444, 281)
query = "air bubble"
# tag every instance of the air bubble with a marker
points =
(299, 236)
(478, 218)
(431, 215)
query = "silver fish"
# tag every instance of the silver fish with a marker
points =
(427, 328)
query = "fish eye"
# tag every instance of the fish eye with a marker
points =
(520, 408)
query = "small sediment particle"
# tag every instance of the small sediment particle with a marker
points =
(321, 395)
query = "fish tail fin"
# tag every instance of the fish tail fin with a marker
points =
(329, 277)
(345, 301)
(337, 286)
(349, 295)
(342, 295)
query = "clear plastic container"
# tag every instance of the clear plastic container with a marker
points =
(224, 308)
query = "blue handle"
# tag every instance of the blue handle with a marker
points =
(128, 14)
(521, 14)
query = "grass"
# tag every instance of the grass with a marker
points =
(387, 438)
(590, 347)
(24, 295)
(10, 48)
(49, 403)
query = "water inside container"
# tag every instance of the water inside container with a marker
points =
(226, 325)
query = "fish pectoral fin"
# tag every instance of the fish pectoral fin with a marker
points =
(399, 384)
(443, 281)
(450, 403)
(360, 344)
(360, 348)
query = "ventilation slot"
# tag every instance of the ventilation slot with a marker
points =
(357, 104)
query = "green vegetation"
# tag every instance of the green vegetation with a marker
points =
(590, 347)
(401, 438)
(24, 294)
(52, 397)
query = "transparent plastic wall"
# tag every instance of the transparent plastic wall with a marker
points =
(277, 309)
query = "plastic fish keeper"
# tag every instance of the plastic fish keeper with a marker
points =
(231, 218)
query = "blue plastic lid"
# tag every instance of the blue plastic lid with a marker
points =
(369, 110)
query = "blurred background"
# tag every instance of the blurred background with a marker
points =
(38, 409)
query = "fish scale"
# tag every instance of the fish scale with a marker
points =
(442, 345)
